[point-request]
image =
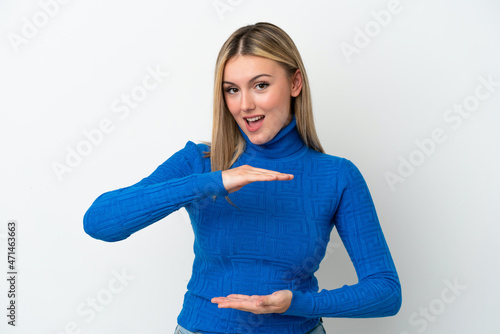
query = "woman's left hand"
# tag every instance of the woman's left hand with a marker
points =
(278, 302)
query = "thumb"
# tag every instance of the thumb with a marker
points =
(264, 301)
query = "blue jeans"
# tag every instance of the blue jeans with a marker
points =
(319, 329)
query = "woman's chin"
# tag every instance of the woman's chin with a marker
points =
(257, 140)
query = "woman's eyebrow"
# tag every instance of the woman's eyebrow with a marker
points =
(253, 79)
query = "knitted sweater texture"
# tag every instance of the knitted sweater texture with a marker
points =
(273, 240)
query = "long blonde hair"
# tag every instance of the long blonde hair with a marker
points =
(269, 41)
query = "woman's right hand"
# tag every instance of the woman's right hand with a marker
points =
(234, 179)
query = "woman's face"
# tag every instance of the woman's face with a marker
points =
(258, 94)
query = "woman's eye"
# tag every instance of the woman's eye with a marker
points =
(231, 90)
(262, 85)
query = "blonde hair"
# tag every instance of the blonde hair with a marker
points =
(269, 41)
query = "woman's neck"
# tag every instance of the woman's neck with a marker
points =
(286, 142)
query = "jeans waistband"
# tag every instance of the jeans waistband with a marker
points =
(181, 330)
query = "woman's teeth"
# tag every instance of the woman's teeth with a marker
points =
(253, 119)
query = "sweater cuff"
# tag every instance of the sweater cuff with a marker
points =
(209, 184)
(302, 304)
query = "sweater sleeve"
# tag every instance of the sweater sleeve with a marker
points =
(378, 291)
(180, 180)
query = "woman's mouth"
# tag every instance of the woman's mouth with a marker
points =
(254, 123)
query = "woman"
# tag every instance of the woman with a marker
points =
(258, 244)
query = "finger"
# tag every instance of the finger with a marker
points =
(270, 177)
(235, 295)
(285, 176)
(262, 170)
(216, 300)
(266, 172)
(257, 169)
(231, 298)
(261, 177)
(239, 305)
(227, 300)
(226, 305)
(274, 175)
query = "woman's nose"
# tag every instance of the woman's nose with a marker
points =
(247, 102)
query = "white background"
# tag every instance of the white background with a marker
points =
(371, 107)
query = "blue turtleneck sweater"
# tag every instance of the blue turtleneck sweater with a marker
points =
(274, 240)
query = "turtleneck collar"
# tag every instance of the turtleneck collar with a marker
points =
(286, 143)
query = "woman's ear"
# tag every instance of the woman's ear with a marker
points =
(296, 83)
